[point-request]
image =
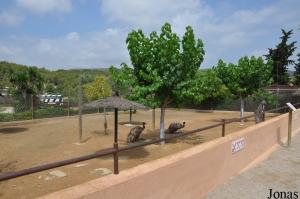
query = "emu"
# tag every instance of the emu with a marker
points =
(135, 133)
(259, 112)
(174, 127)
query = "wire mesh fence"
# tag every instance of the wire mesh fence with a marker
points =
(57, 105)
(274, 100)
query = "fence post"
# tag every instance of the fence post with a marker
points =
(80, 109)
(290, 127)
(223, 127)
(69, 104)
(264, 116)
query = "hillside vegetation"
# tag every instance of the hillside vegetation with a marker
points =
(63, 82)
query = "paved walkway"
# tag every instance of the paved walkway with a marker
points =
(280, 172)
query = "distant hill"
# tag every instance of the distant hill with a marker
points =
(60, 81)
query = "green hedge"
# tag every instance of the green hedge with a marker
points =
(38, 113)
(42, 113)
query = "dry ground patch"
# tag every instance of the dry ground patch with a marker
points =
(32, 143)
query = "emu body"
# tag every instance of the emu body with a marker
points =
(174, 127)
(135, 133)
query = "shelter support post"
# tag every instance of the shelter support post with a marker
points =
(116, 161)
(130, 115)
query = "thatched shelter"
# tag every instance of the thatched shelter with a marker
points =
(116, 102)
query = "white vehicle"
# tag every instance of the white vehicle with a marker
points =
(52, 99)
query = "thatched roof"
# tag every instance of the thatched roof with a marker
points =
(115, 102)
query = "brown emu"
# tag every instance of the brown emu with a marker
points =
(135, 133)
(174, 127)
(260, 111)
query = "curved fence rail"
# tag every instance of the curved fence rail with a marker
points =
(115, 151)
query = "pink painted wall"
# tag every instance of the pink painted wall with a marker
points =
(191, 173)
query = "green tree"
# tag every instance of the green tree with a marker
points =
(281, 57)
(28, 83)
(98, 89)
(205, 85)
(210, 86)
(164, 67)
(246, 78)
(122, 79)
(297, 71)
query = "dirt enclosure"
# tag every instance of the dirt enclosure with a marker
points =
(32, 143)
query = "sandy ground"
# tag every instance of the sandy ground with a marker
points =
(280, 172)
(32, 143)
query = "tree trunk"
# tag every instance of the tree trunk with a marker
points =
(24, 95)
(32, 107)
(242, 111)
(105, 121)
(162, 123)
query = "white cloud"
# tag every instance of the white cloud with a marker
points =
(229, 36)
(153, 13)
(73, 36)
(235, 34)
(10, 18)
(46, 6)
(98, 49)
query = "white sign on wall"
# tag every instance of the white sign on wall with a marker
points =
(237, 145)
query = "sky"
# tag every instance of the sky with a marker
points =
(62, 34)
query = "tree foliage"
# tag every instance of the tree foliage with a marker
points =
(210, 86)
(122, 79)
(26, 83)
(247, 77)
(297, 71)
(206, 85)
(281, 57)
(164, 66)
(64, 82)
(98, 89)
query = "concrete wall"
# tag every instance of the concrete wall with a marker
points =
(191, 173)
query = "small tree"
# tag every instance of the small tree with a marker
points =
(246, 78)
(281, 57)
(211, 87)
(122, 80)
(26, 82)
(297, 71)
(98, 89)
(164, 67)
